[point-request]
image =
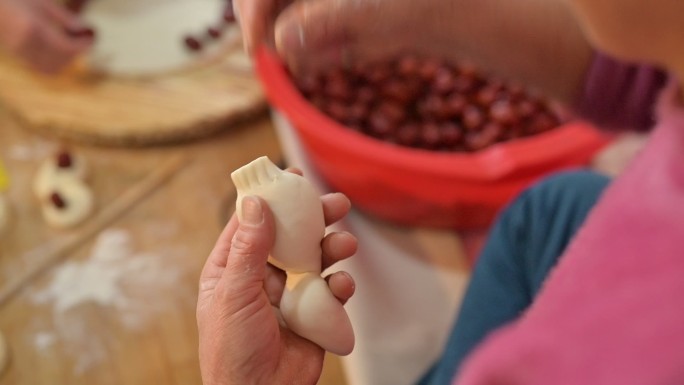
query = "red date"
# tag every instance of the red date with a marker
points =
(64, 160)
(57, 200)
(379, 124)
(192, 44)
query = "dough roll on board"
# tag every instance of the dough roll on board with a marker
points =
(147, 38)
(307, 306)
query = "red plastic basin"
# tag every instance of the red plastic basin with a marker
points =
(420, 187)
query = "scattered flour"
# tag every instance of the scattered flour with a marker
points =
(95, 280)
(125, 284)
(43, 340)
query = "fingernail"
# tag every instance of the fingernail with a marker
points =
(252, 213)
(291, 38)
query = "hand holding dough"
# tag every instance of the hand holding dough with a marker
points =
(307, 305)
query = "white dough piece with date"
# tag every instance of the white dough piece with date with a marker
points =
(73, 204)
(50, 173)
(145, 38)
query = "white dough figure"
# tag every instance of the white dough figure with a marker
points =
(307, 305)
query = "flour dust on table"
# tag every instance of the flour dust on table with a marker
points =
(122, 282)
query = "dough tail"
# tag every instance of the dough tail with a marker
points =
(312, 311)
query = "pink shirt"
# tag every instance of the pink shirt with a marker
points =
(612, 311)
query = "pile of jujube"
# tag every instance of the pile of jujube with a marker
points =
(426, 103)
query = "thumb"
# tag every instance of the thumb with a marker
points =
(313, 35)
(250, 247)
(59, 14)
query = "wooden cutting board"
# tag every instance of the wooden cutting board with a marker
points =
(81, 106)
(179, 224)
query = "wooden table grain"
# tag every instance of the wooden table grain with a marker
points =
(155, 340)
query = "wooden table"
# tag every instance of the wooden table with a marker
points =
(178, 224)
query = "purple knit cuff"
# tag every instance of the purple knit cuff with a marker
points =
(621, 96)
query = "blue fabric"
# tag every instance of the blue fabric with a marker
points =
(523, 246)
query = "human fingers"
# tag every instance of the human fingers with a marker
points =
(50, 49)
(335, 207)
(65, 28)
(341, 285)
(337, 247)
(295, 170)
(245, 271)
(274, 284)
(256, 19)
(38, 54)
(214, 266)
(59, 15)
(314, 35)
(216, 262)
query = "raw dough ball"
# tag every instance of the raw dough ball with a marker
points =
(4, 214)
(4, 354)
(68, 204)
(138, 38)
(62, 165)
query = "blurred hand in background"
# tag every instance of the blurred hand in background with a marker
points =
(536, 42)
(37, 31)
